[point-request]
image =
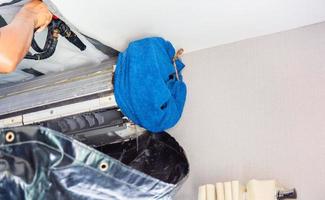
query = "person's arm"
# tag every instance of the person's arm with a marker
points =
(16, 37)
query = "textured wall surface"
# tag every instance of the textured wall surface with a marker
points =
(256, 109)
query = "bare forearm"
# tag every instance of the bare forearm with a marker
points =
(15, 40)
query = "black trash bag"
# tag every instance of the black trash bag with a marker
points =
(158, 155)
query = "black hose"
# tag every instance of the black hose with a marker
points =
(66, 32)
(45, 54)
(35, 46)
(55, 28)
(49, 47)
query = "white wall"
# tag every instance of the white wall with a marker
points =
(256, 109)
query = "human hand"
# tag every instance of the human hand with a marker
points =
(39, 13)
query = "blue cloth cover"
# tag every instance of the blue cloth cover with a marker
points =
(145, 84)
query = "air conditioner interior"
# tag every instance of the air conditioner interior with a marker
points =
(77, 102)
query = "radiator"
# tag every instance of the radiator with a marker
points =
(254, 190)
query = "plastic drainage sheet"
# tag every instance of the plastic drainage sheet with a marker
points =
(38, 163)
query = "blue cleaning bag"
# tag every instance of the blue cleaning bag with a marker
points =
(146, 86)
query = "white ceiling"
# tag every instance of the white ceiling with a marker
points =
(190, 24)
